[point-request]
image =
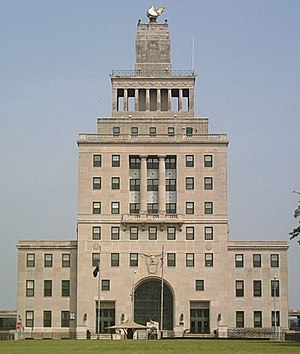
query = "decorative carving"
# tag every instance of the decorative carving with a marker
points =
(152, 262)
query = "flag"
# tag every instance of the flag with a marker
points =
(96, 271)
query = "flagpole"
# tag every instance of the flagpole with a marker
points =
(98, 304)
(162, 293)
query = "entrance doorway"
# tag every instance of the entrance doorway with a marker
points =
(199, 317)
(147, 303)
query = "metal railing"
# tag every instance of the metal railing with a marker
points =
(151, 73)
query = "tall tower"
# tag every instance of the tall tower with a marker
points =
(152, 178)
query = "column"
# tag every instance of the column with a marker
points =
(147, 100)
(158, 100)
(162, 185)
(143, 185)
(125, 100)
(169, 100)
(180, 100)
(136, 100)
(114, 100)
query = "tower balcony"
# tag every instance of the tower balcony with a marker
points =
(154, 219)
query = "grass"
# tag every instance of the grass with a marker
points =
(147, 346)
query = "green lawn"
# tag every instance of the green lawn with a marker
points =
(147, 346)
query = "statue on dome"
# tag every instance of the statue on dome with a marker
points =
(154, 13)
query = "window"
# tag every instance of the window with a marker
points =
(115, 208)
(171, 131)
(96, 232)
(29, 319)
(199, 286)
(152, 130)
(66, 260)
(274, 260)
(134, 131)
(208, 233)
(95, 259)
(116, 131)
(170, 184)
(257, 319)
(170, 162)
(208, 183)
(239, 288)
(171, 233)
(96, 182)
(105, 285)
(208, 208)
(134, 162)
(189, 207)
(115, 233)
(239, 260)
(277, 318)
(189, 131)
(65, 288)
(189, 161)
(189, 183)
(29, 288)
(257, 288)
(274, 288)
(97, 160)
(171, 260)
(256, 260)
(189, 259)
(209, 260)
(208, 161)
(115, 259)
(170, 208)
(115, 183)
(152, 233)
(48, 260)
(115, 161)
(47, 288)
(134, 259)
(47, 318)
(189, 233)
(65, 319)
(134, 184)
(96, 207)
(134, 208)
(152, 184)
(152, 208)
(239, 319)
(30, 260)
(152, 163)
(134, 233)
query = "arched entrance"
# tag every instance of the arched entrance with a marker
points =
(147, 303)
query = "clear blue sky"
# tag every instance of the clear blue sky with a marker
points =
(56, 56)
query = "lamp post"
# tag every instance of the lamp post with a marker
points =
(274, 294)
(132, 296)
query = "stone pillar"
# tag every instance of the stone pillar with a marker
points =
(169, 100)
(143, 185)
(125, 100)
(162, 185)
(136, 100)
(158, 100)
(114, 100)
(147, 100)
(180, 100)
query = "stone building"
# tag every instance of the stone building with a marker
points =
(152, 206)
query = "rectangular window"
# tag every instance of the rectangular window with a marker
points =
(105, 285)
(189, 131)
(171, 131)
(152, 163)
(96, 207)
(115, 183)
(152, 233)
(171, 260)
(30, 260)
(95, 259)
(274, 288)
(170, 162)
(134, 208)
(170, 208)
(239, 319)
(47, 288)
(189, 183)
(208, 183)
(96, 182)
(115, 208)
(239, 288)
(134, 184)
(134, 259)
(209, 260)
(96, 233)
(47, 319)
(199, 286)
(189, 161)
(208, 161)
(277, 318)
(257, 319)
(189, 233)
(152, 131)
(134, 233)
(208, 232)
(256, 261)
(134, 162)
(65, 319)
(257, 288)
(97, 161)
(274, 260)
(152, 208)
(115, 233)
(48, 257)
(208, 208)
(115, 161)
(114, 259)
(171, 233)
(29, 288)
(189, 259)
(170, 184)
(65, 260)
(189, 207)
(239, 260)
(65, 288)
(29, 319)
(134, 131)
(152, 184)
(116, 131)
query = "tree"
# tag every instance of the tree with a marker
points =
(296, 232)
